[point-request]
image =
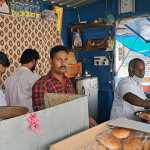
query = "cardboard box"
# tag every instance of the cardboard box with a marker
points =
(57, 122)
(74, 70)
(53, 99)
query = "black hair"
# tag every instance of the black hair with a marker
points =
(4, 59)
(29, 55)
(132, 64)
(57, 49)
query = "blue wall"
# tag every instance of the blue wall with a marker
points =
(142, 6)
(87, 13)
(102, 72)
(90, 13)
(93, 11)
(105, 78)
(98, 9)
(69, 17)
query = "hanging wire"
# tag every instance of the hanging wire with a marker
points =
(78, 15)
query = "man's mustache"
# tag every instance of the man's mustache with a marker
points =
(63, 67)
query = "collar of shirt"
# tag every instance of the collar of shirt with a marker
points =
(23, 68)
(55, 86)
(138, 83)
(50, 75)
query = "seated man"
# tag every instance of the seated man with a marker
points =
(55, 81)
(18, 87)
(4, 62)
(129, 94)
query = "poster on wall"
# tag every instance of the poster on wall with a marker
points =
(59, 16)
(126, 6)
(4, 7)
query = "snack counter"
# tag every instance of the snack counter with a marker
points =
(119, 134)
(79, 140)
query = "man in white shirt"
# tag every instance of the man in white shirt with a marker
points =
(18, 87)
(129, 95)
(4, 62)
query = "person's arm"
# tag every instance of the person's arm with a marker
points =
(92, 122)
(135, 100)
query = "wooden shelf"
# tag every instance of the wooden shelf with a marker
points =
(90, 25)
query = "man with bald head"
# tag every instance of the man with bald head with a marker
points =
(129, 95)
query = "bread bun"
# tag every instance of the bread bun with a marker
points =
(120, 133)
(110, 142)
(147, 145)
(133, 143)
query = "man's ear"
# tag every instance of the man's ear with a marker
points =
(2, 69)
(130, 71)
(33, 61)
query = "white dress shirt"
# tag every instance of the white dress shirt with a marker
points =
(18, 88)
(120, 107)
(2, 99)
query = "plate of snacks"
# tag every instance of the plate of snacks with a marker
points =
(143, 115)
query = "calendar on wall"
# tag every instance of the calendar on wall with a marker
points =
(126, 6)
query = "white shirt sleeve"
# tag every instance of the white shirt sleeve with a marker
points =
(124, 87)
(32, 79)
(2, 99)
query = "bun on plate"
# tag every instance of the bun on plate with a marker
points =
(120, 133)
(133, 143)
(110, 142)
